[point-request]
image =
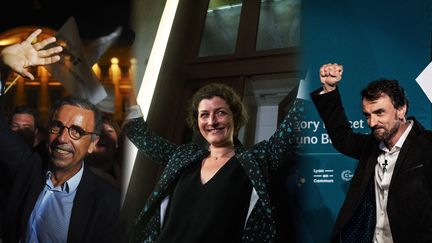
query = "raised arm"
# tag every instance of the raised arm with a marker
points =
(25, 54)
(282, 146)
(14, 152)
(154, 146)
(329, 105)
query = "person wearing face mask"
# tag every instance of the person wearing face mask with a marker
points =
(390, 195)
(218, 193)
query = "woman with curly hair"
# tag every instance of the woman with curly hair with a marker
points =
(217, 193)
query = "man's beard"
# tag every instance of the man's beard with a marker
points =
(385, 135)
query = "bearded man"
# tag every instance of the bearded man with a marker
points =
(390, 196)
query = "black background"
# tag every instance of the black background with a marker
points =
(94, 18)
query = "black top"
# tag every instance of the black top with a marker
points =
(211, 212)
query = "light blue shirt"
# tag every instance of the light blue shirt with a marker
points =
(49, 220)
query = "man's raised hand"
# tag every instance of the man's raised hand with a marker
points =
(25, 54)
(330, 75)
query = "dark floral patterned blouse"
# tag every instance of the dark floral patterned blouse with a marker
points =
(259, 163)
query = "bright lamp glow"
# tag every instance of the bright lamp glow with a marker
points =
(148, 84)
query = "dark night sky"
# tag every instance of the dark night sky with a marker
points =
(94, 17)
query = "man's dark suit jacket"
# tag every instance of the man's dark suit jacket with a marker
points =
(409, 205)
(95, 212)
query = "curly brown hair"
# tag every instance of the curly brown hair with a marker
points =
(390, 87)
(224, 92)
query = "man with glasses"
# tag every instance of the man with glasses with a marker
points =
(66, 202)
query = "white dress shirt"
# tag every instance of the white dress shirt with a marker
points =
(383, 174)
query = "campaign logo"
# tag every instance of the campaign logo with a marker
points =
(346, 175)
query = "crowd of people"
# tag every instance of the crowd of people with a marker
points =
(60, 181)
(70, 169)
(49, 194)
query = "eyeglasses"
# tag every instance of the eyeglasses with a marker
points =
(75, 132)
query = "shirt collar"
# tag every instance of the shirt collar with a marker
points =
(401, 140)
(68, 186)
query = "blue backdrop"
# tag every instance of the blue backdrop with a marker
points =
(372, 39)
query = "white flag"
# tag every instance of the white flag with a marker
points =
(96, 48)
(74, 70)
(425, 81)
(108, 103)
(304, 87)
